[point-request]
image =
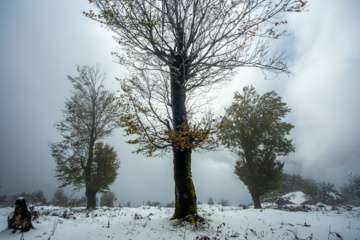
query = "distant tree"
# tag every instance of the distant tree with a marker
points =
(210, 201)
(171, 204)
(350, 197)
(311, 187)
(153, 204)
(354, 183)
(224, 202)
(91, 114)
(291, 183)
(255, 133)
(128, 204)
(350, 191)
(295, 182)
(13, 198)
(38, 198)
(316, 191)
(243, 206)
(3, 201)
(78, 202)
(60, 199)
(328, 194)
(35, 198)
(320, 192)
(179, 51)
(107, 199)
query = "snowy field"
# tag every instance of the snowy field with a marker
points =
(154, 223)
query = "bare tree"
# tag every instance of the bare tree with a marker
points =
(179, 50)
(91, 114)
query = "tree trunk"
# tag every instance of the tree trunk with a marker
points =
(185, 197)
(90, 193)
(91, 198)
(256, 199)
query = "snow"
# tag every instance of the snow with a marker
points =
(333, 195)
(296, 197)
(154, 223)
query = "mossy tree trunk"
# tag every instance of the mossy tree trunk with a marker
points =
(185, 197)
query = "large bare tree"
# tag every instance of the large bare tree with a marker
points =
(179, 50)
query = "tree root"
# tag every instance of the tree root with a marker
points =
(194, 219)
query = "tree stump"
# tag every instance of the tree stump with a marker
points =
(21, 220)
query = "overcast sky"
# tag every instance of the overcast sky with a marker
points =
(41, 41)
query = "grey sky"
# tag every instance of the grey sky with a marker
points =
(42, 41)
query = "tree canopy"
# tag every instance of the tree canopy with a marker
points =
(256, 134)
(206, 40)
(107, 199)
(105, 166)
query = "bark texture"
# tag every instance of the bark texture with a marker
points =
(185, 197)
(91, 198)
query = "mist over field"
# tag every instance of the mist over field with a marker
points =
(42, 41)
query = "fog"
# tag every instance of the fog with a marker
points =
(42, 41)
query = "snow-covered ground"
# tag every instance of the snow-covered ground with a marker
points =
(154, 223)
(296, 197)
